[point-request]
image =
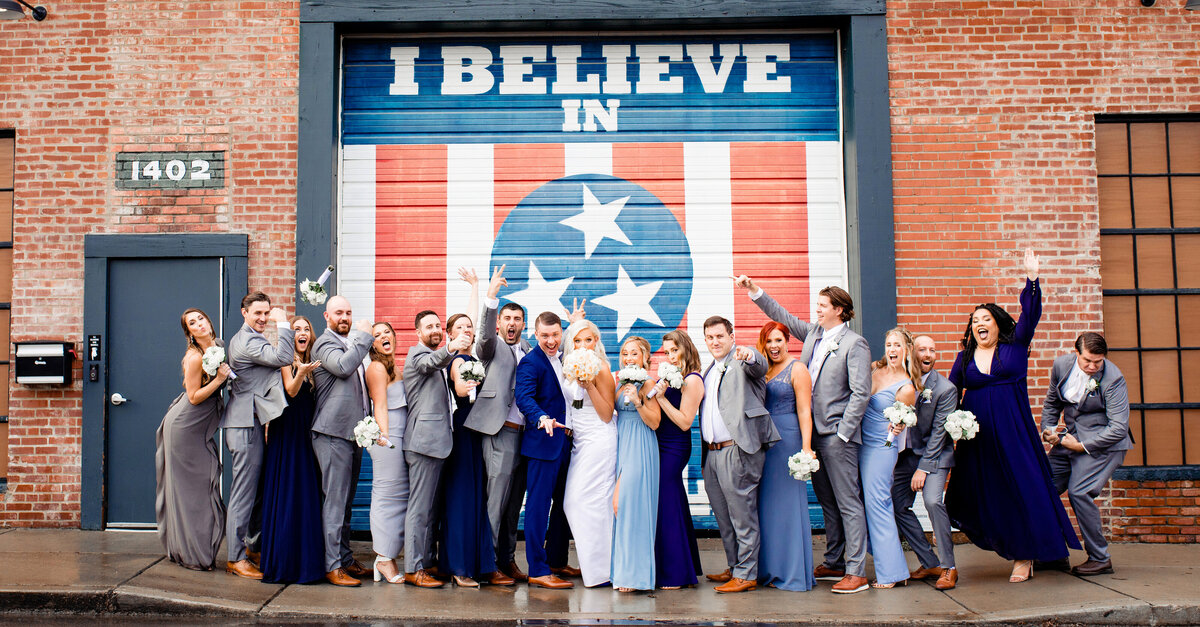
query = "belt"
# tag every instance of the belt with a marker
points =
(716, 446)
(513, 426)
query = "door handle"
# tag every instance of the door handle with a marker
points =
(117, 399)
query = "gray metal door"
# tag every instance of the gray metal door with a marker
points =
(145, 348)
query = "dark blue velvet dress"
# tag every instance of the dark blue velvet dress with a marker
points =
(1000, 491)
(293, 550)
(677, 557)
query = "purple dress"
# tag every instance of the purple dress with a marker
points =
(1000, 492)
(677, 557)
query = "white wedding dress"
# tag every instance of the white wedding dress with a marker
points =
(590, 479)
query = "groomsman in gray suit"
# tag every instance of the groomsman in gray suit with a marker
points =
(496, 417)
(924, 465)
(1088, 392)
(342, 402)
(256, 397)
(428, 440)
(736, 431)
(839, 361)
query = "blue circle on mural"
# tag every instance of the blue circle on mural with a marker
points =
(600, 238)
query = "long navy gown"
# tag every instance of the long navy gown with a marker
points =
(1000, 492)
(677, 557)
(293, 550)
(465, 539)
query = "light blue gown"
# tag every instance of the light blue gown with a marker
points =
(786, 556)
(876, 464)
(637, 501)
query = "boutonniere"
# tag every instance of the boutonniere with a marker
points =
(721, 367)
(1092, 384)
(926, 395)
(833, 346)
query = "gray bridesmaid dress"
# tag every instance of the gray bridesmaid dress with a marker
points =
(188, 506)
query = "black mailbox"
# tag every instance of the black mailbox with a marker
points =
(44, 362)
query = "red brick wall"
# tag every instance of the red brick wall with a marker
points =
(1154, 511)
(993, 150)
(98, 78)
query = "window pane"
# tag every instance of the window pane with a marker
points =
(5, 317)
(1115, 212)
(1189, 331)
(6, 274)
(4, 390)
(1163, 439)
(1120, 321)
(1160, 377)
(1127, 361)
(1185, 147)
(6, 162)
(6, 206)
(1157, 316)
(1191, 435)
(1185, 201)
(1116, 262)
(1191, 376)
(1156, 266)
(1134, 456)
(1112, 156)
(1187, 255)
(1148, 144)
(1151, 204)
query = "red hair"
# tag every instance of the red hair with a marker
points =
(766, 332)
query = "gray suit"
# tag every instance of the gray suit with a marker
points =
(340, 406)
(428, 440)
(494, 402)
(732, 474)
(256, 397)
(930, 449)
(840, 396)
(1100, 421)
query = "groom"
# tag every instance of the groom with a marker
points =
(839, 361)
(256, 397)
(737, 431)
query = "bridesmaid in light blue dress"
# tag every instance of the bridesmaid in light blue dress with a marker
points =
(635, 498)
(891, 380)
(786, 556)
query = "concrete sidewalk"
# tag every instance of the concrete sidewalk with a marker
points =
(123, 575)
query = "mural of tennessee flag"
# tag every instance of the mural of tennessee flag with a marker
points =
(635, 174)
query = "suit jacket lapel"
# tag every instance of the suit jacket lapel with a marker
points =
(826, 353)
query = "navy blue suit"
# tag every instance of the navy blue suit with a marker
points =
(539, 394)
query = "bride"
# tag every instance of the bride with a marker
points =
(593, 468)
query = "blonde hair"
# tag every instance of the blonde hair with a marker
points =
(642, 344)
(574, 329)
(910, 365)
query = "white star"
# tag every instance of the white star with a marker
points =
(597, 221)
(541, 295)
(631, 302)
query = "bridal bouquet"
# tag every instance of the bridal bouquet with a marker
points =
(635, 375)
(581, 366)
(314, 291)
(671, 374)
(366, 432)
(899, 414)
(961, 425)
(802, 465)
(213, 357)
(471, 371)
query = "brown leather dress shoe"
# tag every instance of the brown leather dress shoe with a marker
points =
(925, 573)
(721, 577)
(255, 558)
(552, 582)
(515, 572)
(1092, 567)
(851, 584)
(422, 579)
(355, 569)
(340, 578)
(948, 580)
(243, 568)
(499, 579)
(825, 573)
(737, 585)
(567, 571)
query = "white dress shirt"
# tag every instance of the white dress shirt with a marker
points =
(1076, 386)
(514, 413)
(712, 425)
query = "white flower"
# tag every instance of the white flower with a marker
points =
(366, 433)
(471, 370)
(1092, 384)
(631, 374)
(832, 346)
(214, 356)
(313, 292)
(927, 395)
(961, 425)
(721, 367)
(671, 374)
(581, 365)
(802, 465)
(899, 414)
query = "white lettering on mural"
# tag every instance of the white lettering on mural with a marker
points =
(404, 79)
(518, 69)
(465, 70)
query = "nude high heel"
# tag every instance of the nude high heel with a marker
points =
(397, 578)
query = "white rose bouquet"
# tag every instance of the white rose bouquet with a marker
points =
(471, 370)
(213, 357)
(314, 292)
(581, 366)
(961, 425)
(635, 375)
(367, 432)
(899, 414)
(802, 465)
(671, 374)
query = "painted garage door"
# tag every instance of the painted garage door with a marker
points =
(637, 173)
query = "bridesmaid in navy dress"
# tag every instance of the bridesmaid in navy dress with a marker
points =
(1001, 494)
(292, 548)
(786, 557)
(676, 555)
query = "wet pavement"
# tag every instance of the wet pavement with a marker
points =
(55, 575)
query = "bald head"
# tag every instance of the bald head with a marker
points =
(338, 315)
(926, 352)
